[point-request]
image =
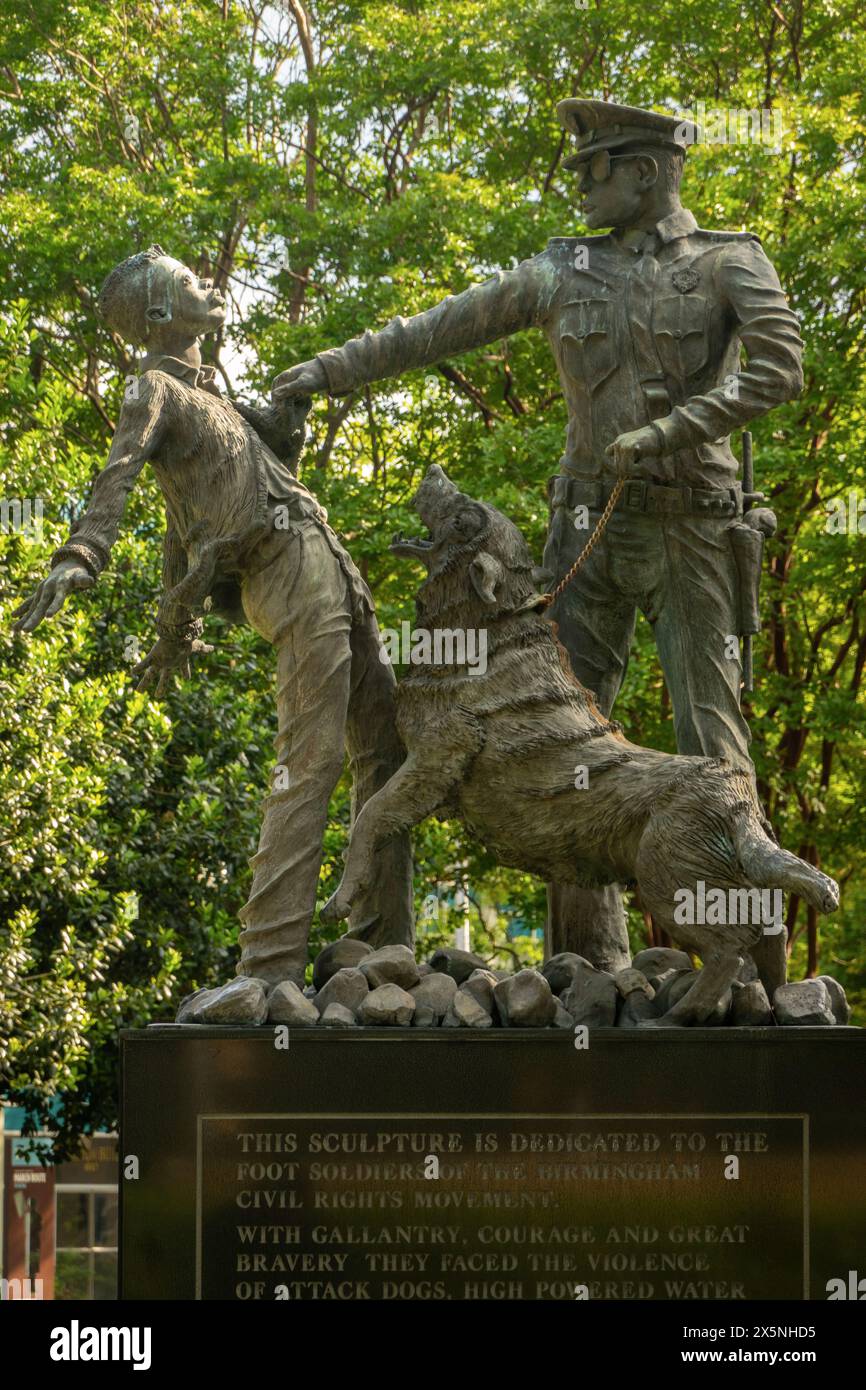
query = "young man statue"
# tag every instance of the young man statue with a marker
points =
(246, 539)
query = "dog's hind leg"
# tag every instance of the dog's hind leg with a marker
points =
(717, 976)
(416, 790)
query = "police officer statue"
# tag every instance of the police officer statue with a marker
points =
(646, 323)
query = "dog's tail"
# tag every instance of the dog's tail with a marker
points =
(765, 865)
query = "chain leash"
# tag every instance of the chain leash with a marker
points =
(593, 541)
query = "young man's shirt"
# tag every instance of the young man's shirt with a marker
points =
(220, 482)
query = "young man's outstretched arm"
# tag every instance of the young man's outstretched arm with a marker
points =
(78, 563)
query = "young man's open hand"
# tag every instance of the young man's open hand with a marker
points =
(65, 579)
(167, 658)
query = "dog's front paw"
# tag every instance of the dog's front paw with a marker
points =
(338, 906)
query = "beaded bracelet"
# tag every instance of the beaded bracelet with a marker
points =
(85, 554)
(181, 632)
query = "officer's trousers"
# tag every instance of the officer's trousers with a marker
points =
(679, 571)
(333, 692)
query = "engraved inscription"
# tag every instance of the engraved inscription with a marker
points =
(342, 1207)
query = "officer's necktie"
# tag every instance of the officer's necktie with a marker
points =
(642, 280)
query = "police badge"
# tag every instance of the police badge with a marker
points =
(685, 280)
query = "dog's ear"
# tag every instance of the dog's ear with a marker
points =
(485, 573)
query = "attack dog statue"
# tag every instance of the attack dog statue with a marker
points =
(501, 749)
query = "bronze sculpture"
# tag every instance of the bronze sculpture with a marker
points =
(646, 325)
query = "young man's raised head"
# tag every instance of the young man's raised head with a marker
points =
(154, 301)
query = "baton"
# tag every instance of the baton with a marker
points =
(748, 497)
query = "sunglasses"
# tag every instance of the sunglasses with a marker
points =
(598, 169)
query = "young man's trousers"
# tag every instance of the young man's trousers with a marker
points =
(334, 693)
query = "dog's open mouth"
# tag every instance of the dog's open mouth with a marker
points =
(416, 546)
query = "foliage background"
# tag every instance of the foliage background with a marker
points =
(333, 164)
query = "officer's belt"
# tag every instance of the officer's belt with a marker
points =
(660, 499)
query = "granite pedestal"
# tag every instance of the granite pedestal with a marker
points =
(404, 1164)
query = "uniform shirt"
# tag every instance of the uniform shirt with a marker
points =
(218, 478)
(644, 328)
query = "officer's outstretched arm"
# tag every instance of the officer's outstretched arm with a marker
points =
(506, 303)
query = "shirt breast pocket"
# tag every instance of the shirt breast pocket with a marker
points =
(680, 327)
(586, 341)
